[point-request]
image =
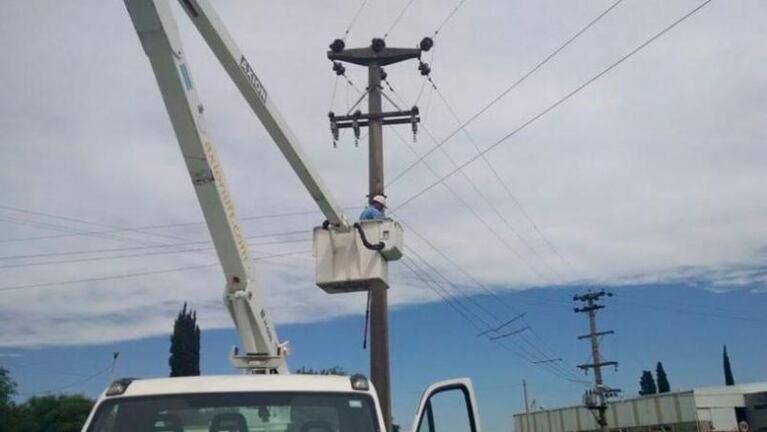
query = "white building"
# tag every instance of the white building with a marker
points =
(699, 410)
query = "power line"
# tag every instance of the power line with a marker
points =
(506, 187)
(70, 385)
(446, 299)
(448, 18)
(475, 213)
(399, 17)
(138, 274)
(500, 300)
(479, 192)
(555, 104)
(354, 19)
(510, 88)
(138, 255)
(152, 227)
(132, 248)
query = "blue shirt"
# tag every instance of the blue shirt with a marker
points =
(371, 213)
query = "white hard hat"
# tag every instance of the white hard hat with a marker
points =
(380, 199)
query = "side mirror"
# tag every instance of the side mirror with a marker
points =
(448, 406)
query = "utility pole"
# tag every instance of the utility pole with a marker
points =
(596, 399)
(113, 366)
(527, 407)
(374, 58)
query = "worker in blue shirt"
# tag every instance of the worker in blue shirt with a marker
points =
(375, 211)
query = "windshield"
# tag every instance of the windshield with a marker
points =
(237, 412)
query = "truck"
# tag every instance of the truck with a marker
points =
(349, 257)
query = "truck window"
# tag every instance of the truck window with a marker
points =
(237, 412)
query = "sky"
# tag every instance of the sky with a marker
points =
(648, 181)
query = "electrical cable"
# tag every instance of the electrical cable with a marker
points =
(511, 87)
(397, 20)
(70, 385)
(455, 265)
(555, 104)
(354, 19)
(447, 299)
(139, 274)
(447, 18)
(138, 255)
(131, 248)
(508, 190)
(479, 192)
(162, 226)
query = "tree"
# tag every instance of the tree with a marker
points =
(7, 390)
(728, 378)
(647, 384)
(335, 370)
(55, 413)
(662, 379)
(185, 345)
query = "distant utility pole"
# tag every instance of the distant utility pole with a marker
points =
(374, 58)
(527, 407)
(113, 366)
(596, 399)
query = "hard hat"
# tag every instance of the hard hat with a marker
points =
(380, 199)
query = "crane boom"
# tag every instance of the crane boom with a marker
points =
(207, 22)
(157, 30)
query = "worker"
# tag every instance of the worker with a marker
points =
(375, 210)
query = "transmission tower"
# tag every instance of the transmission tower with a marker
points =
(374, 58)
(596, 399)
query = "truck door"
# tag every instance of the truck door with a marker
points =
(448, 406)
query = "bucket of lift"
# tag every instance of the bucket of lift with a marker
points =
(357, 259)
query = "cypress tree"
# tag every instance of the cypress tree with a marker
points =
(647, 384)
(728, 378)
(662, 379)
(184, 357)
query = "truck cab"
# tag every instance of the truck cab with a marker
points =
(264, 403)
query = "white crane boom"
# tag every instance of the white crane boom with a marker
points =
(214, 33)
(157, 30)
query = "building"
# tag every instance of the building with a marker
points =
(707, 409)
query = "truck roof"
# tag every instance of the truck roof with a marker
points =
(239, 383)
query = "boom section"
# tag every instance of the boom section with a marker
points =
(160, 39)
(243, 75)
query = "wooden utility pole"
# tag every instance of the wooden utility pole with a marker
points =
(374, 58)
(596, 399)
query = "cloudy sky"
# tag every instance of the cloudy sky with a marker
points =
(652, 174)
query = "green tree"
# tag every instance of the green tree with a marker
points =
(662, 379)
(647, 384)
(185, 345)
(7, 390)
(335, 370)
(728, 378)
(55, 413)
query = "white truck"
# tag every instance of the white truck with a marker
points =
(349, 257)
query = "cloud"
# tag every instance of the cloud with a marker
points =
(653, 173)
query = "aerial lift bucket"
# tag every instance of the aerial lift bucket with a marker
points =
(357, 259)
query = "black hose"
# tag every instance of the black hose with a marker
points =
(376, 247)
